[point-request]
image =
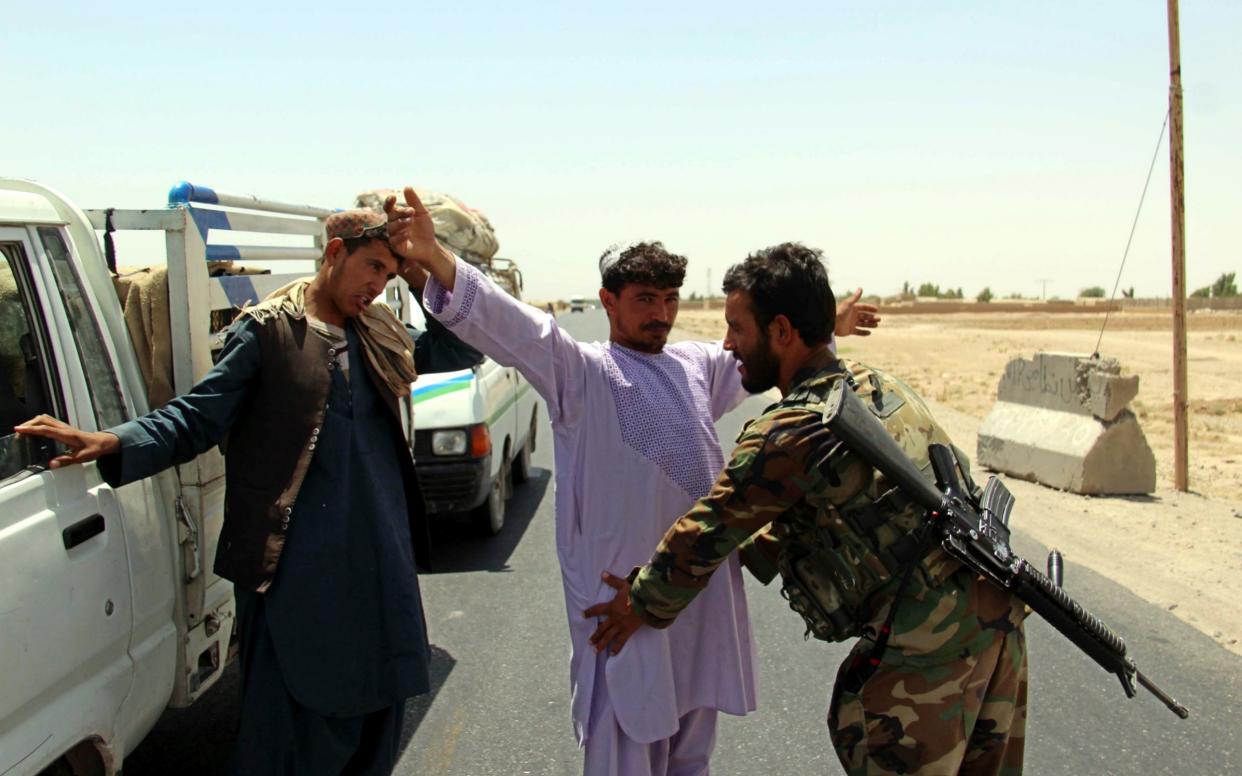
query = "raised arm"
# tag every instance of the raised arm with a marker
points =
(483, 315)
(514, 334)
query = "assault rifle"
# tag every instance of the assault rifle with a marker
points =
(976, 532)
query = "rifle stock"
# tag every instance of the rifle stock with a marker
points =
(854, 424)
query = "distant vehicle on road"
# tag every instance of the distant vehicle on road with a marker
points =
(577, 304)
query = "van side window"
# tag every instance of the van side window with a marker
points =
(23, 387)
(105, 391)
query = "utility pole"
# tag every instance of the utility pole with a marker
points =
(1177, 185)
(707, 298)
(1043, 294)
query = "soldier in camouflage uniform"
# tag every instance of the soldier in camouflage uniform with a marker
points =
(936, 683)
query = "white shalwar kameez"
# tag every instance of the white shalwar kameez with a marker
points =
(635, 446)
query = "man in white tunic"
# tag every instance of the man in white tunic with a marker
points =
(635, 446)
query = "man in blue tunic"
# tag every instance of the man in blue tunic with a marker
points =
(323, 515)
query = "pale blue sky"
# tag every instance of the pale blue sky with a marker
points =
(966, 144)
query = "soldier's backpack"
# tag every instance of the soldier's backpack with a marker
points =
(834, 563)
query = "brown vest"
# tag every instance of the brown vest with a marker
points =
(270, 445)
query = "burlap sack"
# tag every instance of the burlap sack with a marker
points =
(461, 228)
(144, 303)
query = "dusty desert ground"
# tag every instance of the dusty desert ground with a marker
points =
(1182, 551)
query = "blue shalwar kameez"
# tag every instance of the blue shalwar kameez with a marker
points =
(331, 650)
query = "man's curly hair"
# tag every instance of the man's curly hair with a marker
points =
(647, 263)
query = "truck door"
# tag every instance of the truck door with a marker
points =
(65, 605)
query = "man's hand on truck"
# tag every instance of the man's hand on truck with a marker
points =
(83, 446)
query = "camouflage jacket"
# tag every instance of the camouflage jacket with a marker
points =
(778, 485)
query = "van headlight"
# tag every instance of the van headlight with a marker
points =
(448, 442)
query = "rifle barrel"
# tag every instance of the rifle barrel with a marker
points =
(1164, 697)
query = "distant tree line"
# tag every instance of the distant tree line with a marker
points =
(932, 290)
(1098, 292)
(1223, 287)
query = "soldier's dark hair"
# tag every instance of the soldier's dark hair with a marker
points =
(790, 280)
(647, 263)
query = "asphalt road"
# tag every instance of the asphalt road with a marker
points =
(500, 701)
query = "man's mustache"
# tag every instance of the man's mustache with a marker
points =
(655, 327)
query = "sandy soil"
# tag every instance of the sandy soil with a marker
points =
(1182, 551)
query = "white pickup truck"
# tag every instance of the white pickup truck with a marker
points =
(109, 610)
(474, 432)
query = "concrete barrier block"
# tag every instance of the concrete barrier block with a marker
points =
(1061, 420)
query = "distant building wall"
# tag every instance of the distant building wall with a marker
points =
(1192, 303)
(948, 307)
(945, 307)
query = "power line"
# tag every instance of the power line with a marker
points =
(1130, 239)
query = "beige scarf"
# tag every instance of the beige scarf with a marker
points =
(385, 341)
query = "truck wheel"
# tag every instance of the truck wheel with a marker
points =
(521, 463)
(489, 517)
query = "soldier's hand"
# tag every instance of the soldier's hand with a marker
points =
(855, 317)
(619, 623)
(83, 446)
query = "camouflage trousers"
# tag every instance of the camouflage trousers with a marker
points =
(967, 716)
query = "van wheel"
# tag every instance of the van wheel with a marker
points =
(489, 517)
(521, 463)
